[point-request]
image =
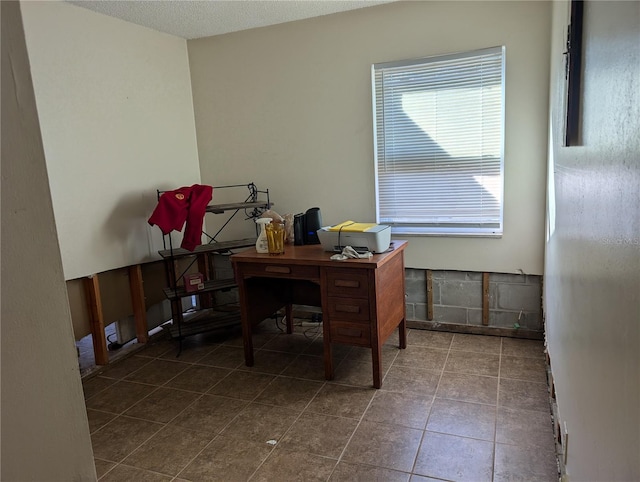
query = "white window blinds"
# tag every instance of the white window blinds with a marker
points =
(439, 143)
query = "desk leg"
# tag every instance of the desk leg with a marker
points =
(288, 313)
(328, 361)
(246, 324)
(402, 330)
(328, 356)
(376, 355)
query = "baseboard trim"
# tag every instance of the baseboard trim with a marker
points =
(476, 330)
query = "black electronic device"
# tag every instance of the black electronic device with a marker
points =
(312, 222)
(298, 229)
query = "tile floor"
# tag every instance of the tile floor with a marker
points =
(452, 407)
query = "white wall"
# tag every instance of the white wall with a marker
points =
(289, 107)
(592, 268)
(45, 433)
(116, 114)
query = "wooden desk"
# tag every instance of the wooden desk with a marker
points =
(362, 300)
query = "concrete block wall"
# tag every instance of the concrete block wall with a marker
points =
(514, 299)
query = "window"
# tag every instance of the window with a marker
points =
(439, 129)
(573, 66)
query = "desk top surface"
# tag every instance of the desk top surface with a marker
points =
(314, 255)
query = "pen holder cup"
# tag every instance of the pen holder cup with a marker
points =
(275, 238)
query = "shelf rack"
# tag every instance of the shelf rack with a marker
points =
(210, 317)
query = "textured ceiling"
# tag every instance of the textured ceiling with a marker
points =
(202, 18)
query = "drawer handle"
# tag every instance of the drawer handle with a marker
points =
(346, 283)
(348, 308)
(352, 332)
(278, 269)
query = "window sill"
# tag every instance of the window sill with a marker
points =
(444, 234)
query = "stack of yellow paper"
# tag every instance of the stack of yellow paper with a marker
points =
(352, 227)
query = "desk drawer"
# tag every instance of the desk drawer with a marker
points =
(348, 283)
(350, 333)
(348, 309)
(281, 271)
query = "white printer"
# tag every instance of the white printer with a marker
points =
(360, 236)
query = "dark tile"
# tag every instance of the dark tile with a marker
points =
(224, 357)
(390, 446)
(162, 405)
(455, 458)
(316, 348)
(215, 337)
(209, 414)
(120, 437)
(190, 353)
(342, 400)
(462, 418)
(124, 473)
(155, 349)
(289, 392)
(124, 368)
(521, 368)
(261, 423)
(269, 325)
(307, 367)
(102, 467)
(293, 343)
(468, 388)
(120, 396)
(258, 340)
(363, 355)
(319, 434)
(98, 419)
(272, 362)
(226, 459)
(350, 372)
(360, 354)
(432, 339)
(476, 343)
(310, 329)
(394, 338)
(524, 427)
(242, 385)
(464, 410)
(294, 466)
(421, 357)
(514, 463)
(346, 472)
(169, 450)
(232, 339)
(95, 385)
(473, 363)
(198, 378)
(411, 380)
(157, 372)
(394, 408)
(524, 395)
(523, 348)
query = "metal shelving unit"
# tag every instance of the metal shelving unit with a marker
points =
(210, 317)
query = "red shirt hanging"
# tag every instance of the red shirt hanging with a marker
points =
(186, 204)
